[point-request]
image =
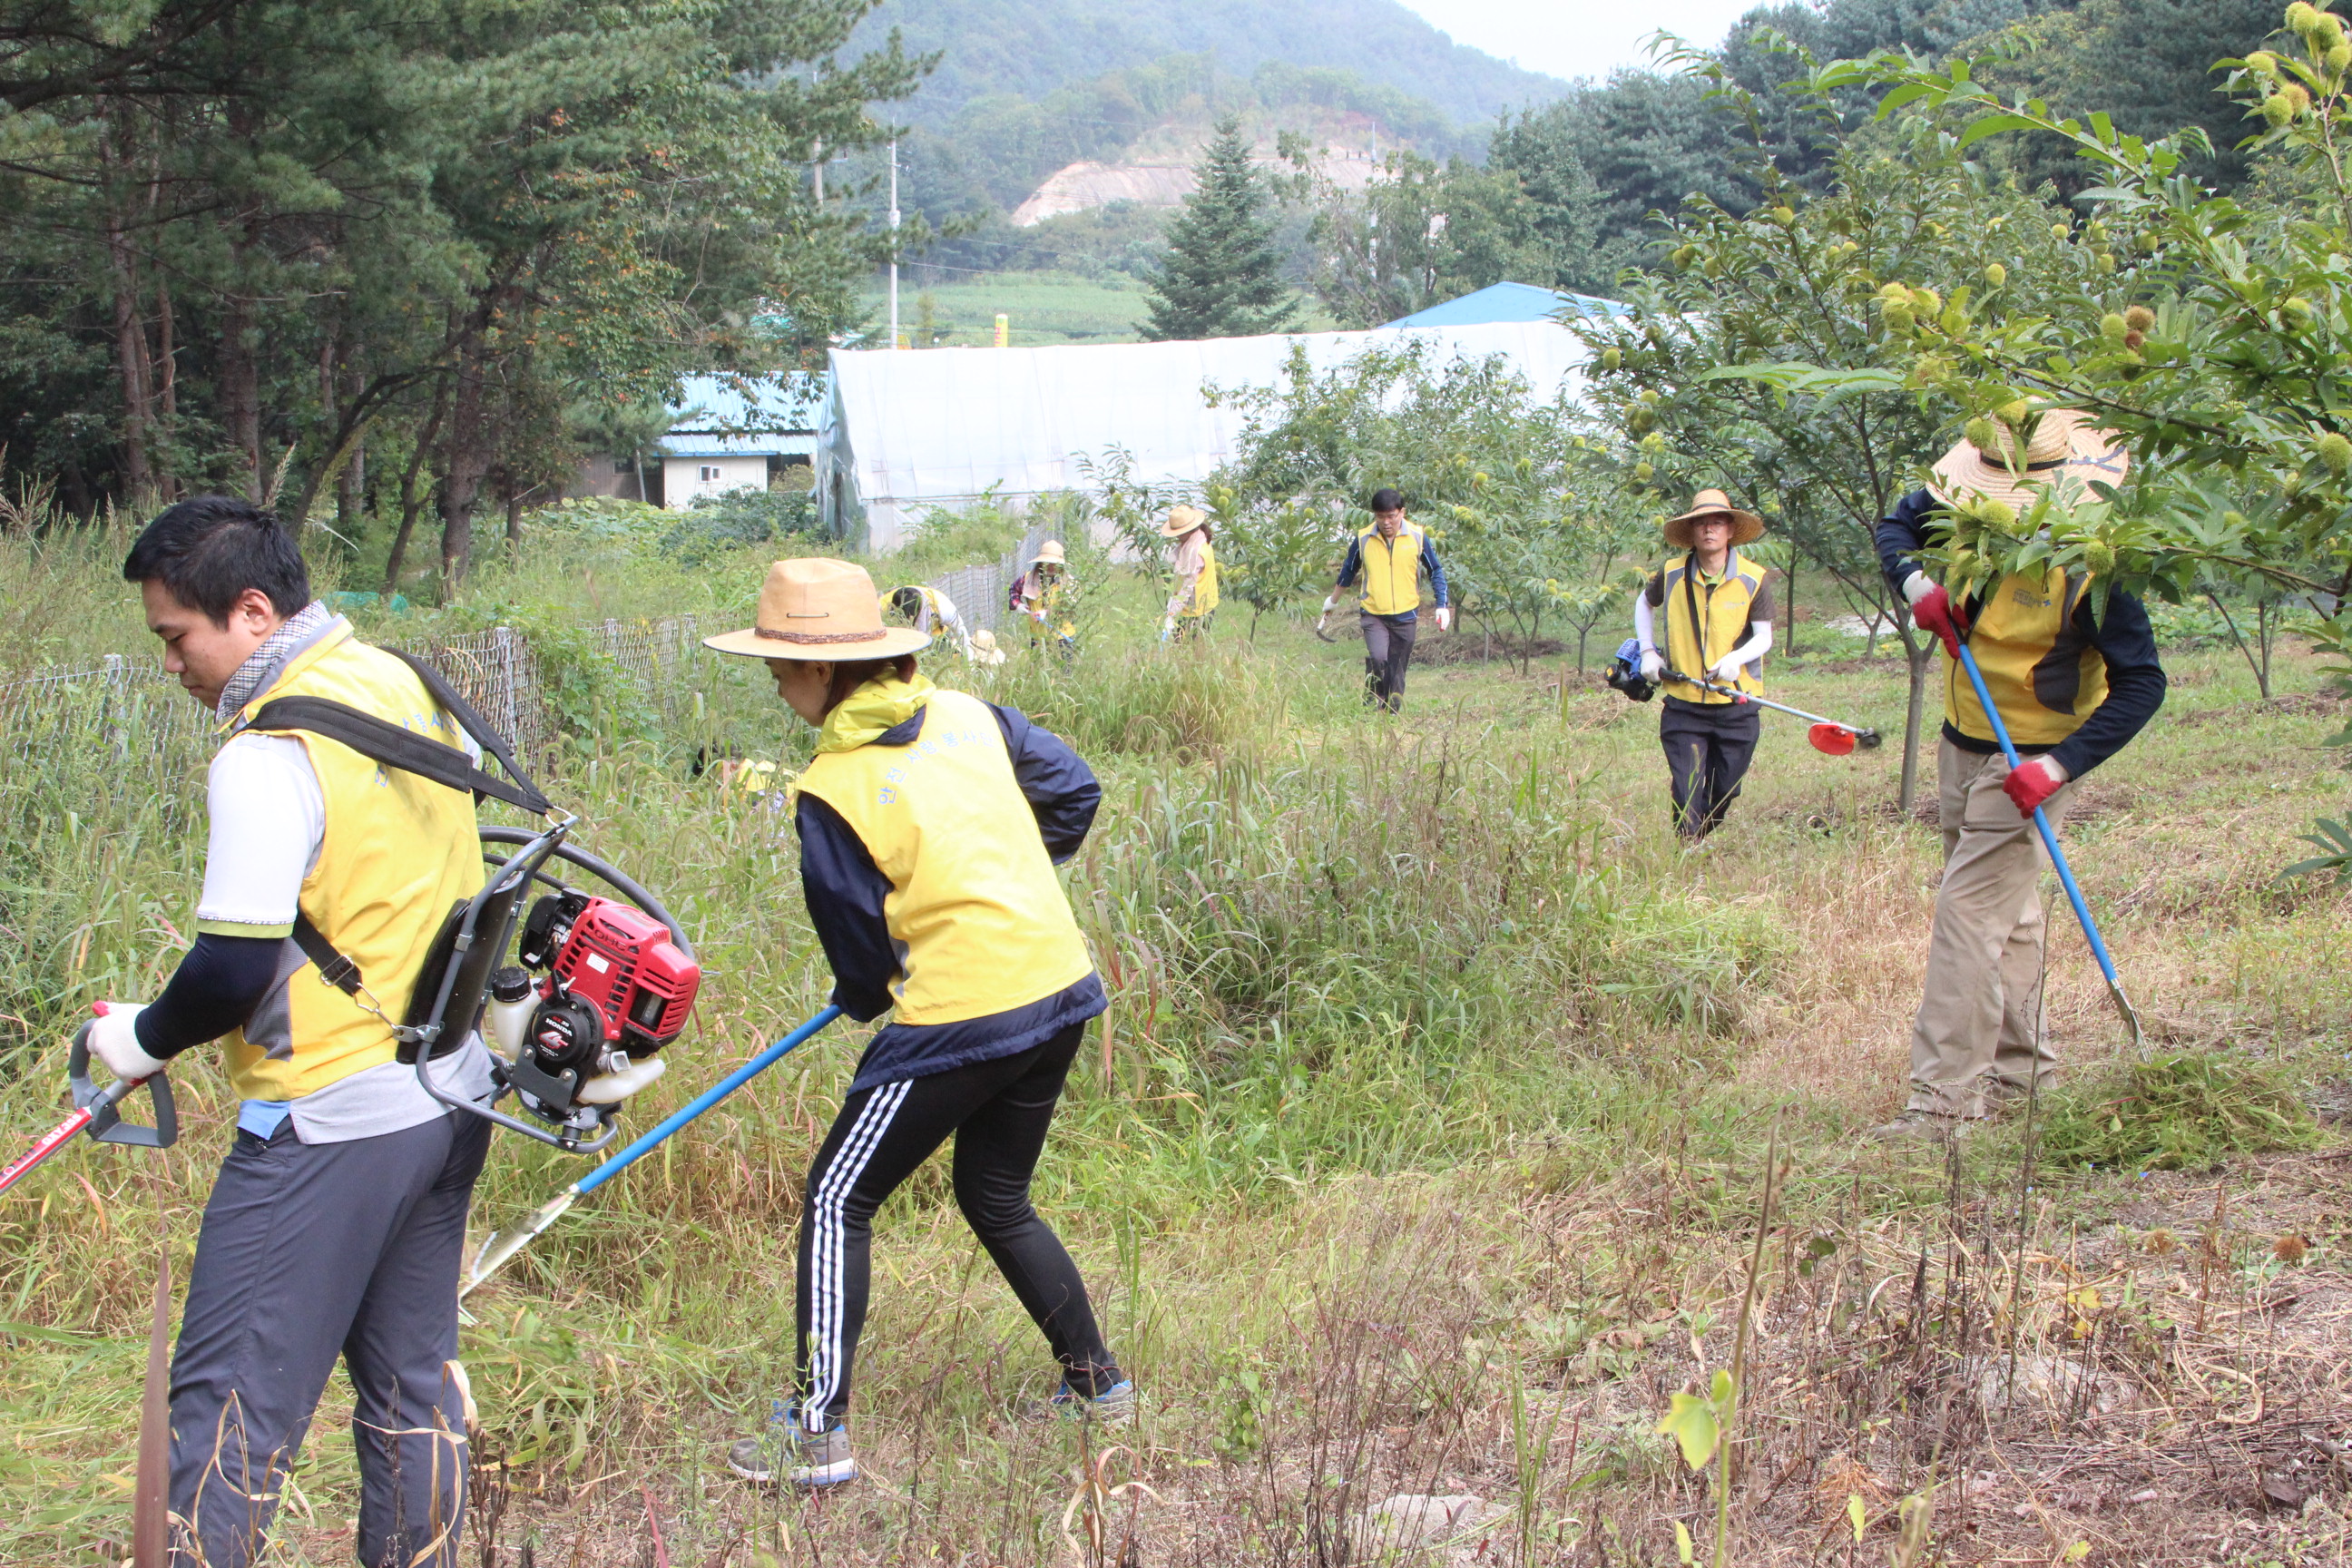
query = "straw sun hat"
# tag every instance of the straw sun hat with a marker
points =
(817, 609)
(2064, 441)
(1746, 526)
(1181, 521)
(1050, 552)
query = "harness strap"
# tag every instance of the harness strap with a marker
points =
(389, 744)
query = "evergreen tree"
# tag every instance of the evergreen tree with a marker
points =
(1222, 277)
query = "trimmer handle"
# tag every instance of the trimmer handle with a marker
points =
(106, 1123)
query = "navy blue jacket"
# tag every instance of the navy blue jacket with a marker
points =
(846, 891)
(2135, 682)
(1354, 563)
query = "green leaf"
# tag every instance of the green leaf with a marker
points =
(1986, 125)
(1690, 1421)
(1686, 1550)
(1856, 1515)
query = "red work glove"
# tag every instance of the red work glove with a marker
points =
(1932, 608)
(2032, 783)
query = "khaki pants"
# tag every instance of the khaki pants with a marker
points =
(1979, 1023)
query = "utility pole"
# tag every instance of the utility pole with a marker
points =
(894, 242)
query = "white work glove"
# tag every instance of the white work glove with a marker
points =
(1654, 664)
(1918, 587)
(1728, 669)
(112, 1041)
(1332, 603)
(1445, 617)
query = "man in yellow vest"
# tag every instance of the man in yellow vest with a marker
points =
(1391, 556)
(930, 823)
(335, 1227)
(1718, 610)
(2074, 687)
(1195, 567)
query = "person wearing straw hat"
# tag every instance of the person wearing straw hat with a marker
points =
(1044, 592)
(2074, 686)
(1719, 609)
(930, 823)
(1195, 566)
(1391, 557)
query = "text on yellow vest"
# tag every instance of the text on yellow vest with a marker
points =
(2044, 676)
(975, 911)
(1392, 569)
(1725, 606)
(399, 850)
(1205, 587)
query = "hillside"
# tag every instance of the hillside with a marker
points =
(1029, 47)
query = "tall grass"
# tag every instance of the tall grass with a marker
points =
(1414, 1146)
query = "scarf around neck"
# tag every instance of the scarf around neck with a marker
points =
(882, 704)
(297, 632)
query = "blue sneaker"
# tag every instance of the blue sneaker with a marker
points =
(788, 1451)
(1114, 1406)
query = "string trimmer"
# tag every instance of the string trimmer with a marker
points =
(1828, 735)
(2057, 856)
(503, 1245)
(98, 1111)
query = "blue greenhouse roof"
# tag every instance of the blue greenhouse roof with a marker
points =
(738, 407)
(1506, 302)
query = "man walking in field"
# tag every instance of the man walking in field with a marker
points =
(2074, 687)
(1390, 556)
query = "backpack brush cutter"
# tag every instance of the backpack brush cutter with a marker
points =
(600, 985)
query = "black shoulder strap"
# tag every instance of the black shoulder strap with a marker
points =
(1698, 626)
(394, 747)
(333, 968)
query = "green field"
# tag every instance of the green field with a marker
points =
(1045, 307)
(1423, 1150)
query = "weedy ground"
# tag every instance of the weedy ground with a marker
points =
(1424, 1149)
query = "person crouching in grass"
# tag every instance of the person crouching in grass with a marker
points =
(930, 823)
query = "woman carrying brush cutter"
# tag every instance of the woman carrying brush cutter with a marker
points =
(1718, 625)
(929, 824)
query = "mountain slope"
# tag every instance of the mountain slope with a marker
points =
(1030, 46)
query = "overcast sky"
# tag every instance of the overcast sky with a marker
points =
(1570, 38)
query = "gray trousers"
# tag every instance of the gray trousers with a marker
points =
(1388, 654)
(311, 1251)
(1980, 1027)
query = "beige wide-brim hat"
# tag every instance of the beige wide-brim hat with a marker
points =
(1181, 521)
(1051, 554)
(817, 609)
(1746, 528)
(2065, 442)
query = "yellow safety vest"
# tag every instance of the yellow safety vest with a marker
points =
(1392, 569)
(399, 851)
(1725, 603)
(2046, 678)
(975, 911)
(1205, 587)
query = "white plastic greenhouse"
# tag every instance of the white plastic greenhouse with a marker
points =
(906, 432)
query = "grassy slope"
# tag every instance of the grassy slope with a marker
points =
(1421, 1153)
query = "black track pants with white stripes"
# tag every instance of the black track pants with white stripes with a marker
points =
(998, 1113)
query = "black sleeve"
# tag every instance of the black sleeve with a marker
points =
(2136, 683)
(1061, 789)
(1655, 591)
(216, 989)
(845, 891)
(1902, 535)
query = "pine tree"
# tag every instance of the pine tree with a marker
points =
(1221, 278)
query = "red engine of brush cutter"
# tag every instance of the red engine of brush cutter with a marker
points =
(629, 972)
